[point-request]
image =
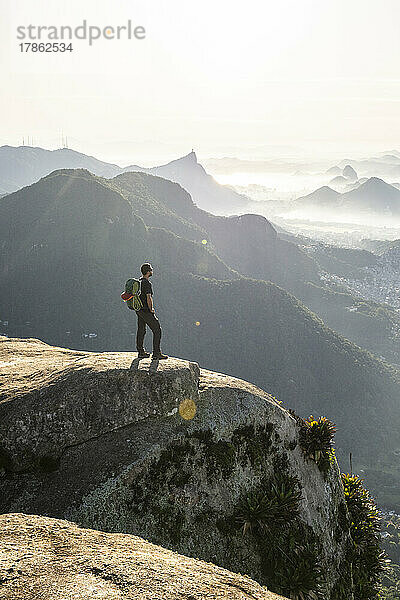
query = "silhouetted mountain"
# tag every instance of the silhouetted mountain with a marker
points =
(323, 197)
(205, 191)
(349, 173)
(376, 166)
(23, 165)
(70, 241)
(385, 165)
(373, 196)
(248, 243)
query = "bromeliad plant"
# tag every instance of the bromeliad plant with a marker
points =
(289, 555)
(316, 440)
(273, 505)
(366, 555)
(300, 578)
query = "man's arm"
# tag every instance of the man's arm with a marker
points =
(150, 302)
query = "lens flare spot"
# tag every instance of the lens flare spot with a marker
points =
(197, 323)
(204, 242)
(187, 409)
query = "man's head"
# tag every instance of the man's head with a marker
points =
(147, 270)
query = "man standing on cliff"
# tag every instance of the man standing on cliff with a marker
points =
(146, 316)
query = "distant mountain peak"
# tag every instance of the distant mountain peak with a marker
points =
(350, 173)
(190, 158)
(325, 189)
(322, 196)
(374, 195)
(374, 183)
(20, 167)
(80, 172)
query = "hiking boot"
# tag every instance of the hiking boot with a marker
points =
(159, 356)
(143, 354)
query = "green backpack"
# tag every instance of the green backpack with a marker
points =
(131, 294)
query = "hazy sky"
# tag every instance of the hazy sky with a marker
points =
(225, 77)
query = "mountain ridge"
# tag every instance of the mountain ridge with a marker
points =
(250, 245)
(73, 240)
(374, 196)
(23, 165)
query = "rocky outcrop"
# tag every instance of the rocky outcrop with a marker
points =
(193, 460)
(48, 558)
(53, 398)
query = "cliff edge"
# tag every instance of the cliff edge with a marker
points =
(199, 462)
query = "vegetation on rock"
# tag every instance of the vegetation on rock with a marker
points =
(288, 548)
(365, 554)
(274, 504)
(316, 440)
(390, 532)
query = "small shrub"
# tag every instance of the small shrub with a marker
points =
(253, 513)
(288, 548)
(316, 439)
(291, 563)
(300, 577)
(273, 505)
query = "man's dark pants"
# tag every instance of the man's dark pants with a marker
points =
(144, 318)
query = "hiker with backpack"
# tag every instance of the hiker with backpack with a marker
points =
(139, 297)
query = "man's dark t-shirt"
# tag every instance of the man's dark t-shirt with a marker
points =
(145, 288)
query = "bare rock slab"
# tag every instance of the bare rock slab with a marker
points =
(52, 398)
(53, 559)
